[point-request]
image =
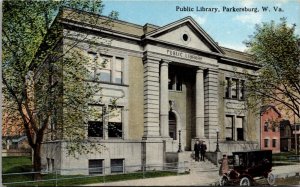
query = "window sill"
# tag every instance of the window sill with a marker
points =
(176, 91)
(109, 83)
(234, 99)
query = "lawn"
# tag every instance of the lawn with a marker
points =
(284, 158)
(23, 164)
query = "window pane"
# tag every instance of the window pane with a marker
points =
(115, 123)
(95, 166)
(240, 133)
(266, 126)
(178, 83)
(105, 63)
(116, 165)
(95, 129)
(118, 77)
(103, 75)
(274, 142)
(115, 114)
(229, 127)
(266, 142)
(227, 87)
(95, 113)
(95, 124)
(118, 64)
(234, 83)
(228, 121)
(90, 66)
(242, 90)
(239, 122)
(115, 130)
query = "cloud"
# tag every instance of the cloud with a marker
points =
(247, 3)
(252, 18)
(200, 20)
(235, 46)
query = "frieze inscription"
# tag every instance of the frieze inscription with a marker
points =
(183, 55)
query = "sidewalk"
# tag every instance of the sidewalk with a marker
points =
(193, 179)
(205, 178)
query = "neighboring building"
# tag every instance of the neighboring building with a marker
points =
(270, 129)
(171, 82)
(285, 136)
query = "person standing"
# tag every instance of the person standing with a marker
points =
(224, 166)
(203, 150)
(197, 150)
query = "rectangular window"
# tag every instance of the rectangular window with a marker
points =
(105, 68)
(117, 165)
(274, 142)
(175, 80)
(118, 70)
(95, 121)
(239, 124)
(91, 65)
(242, 90)
(266, 126)
(234, 88)
(104, 71)
(227, 87)
(95, 166)
(273, 128)
(115, 122)
(229, 127)
(266, 141)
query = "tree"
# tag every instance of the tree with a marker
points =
(35, 84)
(276, 48)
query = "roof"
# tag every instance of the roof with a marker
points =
(263, 109)
(138, 31)
(231, 53)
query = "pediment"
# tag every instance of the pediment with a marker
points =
(186, 32)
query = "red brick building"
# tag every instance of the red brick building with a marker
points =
(270, 131)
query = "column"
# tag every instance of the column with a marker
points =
(199, 104)
(211, 103)
(151, 97)
(164, 99)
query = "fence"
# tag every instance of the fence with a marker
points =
(94, 175)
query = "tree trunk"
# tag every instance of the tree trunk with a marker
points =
(37, 164)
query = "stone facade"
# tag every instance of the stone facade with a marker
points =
(173, 90)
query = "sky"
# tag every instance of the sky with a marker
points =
(229, 29)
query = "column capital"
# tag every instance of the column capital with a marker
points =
(199, 69)
(165, 62)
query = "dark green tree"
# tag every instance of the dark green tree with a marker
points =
(276, 47)
(36, 86)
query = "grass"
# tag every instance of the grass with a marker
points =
(23, 164)
(284, 158)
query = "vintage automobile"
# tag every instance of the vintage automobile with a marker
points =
(247, 166)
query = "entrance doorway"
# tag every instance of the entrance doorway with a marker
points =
(172, 126)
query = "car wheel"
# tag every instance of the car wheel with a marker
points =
(223, 181)
(245, 182)
(271, 179)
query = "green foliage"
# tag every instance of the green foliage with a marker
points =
(45, 72)
(276, 48)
